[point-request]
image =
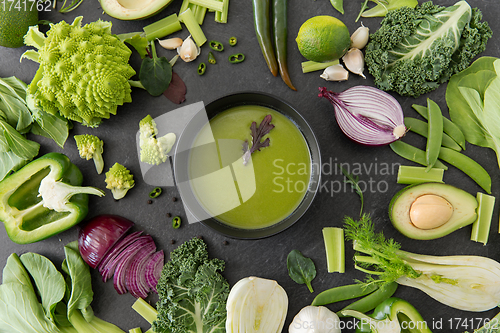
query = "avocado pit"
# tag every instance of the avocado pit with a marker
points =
(430, 211)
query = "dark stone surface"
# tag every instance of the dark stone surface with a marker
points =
(267, 257)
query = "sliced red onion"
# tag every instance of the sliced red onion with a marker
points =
(153, 269)
(367, 115)
(135, 280)
(125, 259)
(99, 235)
(108, 265)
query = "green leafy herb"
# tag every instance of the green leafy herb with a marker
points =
(258, 134)
(338, 5)
(353, 181)
(70, 7)
(383, 7)
(155, 73)
(301, 269)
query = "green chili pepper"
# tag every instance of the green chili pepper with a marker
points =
(202, 68)
(233, 41)
(422, 128)
(216, 46)
(343, 293)
(176, 222)
(435, 137)
(413, 154)
(211, 58)
(280, 34)
(236, 58)
(263, 31)
(371, 301)
(155, 193)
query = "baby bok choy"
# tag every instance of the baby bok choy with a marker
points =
(469, 283)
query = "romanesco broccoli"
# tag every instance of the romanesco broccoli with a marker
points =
(83, 71)
(90, 147)
(154, 150)
(119, 180)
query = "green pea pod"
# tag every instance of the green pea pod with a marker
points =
(435, 137)
(448, 126)
(261, 9)
(470, 167)
(371, 301)
(343, 293)
(421, 128)
(413, 154)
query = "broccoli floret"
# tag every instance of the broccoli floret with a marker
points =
(90, 147)
(154, 150)
(119, 180)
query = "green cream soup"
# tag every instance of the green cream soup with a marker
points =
(265, 190)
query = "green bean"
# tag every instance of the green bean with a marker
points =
(413, 154)
(371, 301)
(343, 293)
(470, 167)
(448, 126)
(435, 137)
(421, 128)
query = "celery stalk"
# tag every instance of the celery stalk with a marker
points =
(481, 227)
(184, 6)
(335, 251)
(221, 17)
(193, 27)
(150, 331)
(210, 4)
(312, 66)
(135, 330)
(200, 13)
(145, 310)
(417, 175)
(162, 28)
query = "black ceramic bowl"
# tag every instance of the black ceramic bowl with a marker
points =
(188, 136)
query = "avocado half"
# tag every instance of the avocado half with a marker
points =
(464, 210)
(133, 9)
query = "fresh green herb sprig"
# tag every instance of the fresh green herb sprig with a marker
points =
(353, 181)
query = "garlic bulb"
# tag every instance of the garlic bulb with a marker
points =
(360, 37)
(315, 319)
(171, 43)
(188, 51)
(335, 73)
(354, 60)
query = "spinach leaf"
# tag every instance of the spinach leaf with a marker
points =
(155, 74)
(301, 269)
(49, 282)
(14, 272)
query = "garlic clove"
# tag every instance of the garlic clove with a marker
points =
(188, 51)
(355, 61)
(171, 43)
(360, 37)
(335, 73)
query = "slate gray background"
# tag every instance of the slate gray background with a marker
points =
(267, 257)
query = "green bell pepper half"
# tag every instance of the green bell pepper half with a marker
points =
(24, 211)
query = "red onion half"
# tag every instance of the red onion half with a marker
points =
(367, 115)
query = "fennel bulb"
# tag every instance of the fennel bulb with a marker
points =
(315, 319)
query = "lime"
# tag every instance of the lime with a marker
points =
(16, 21)
(323, 38)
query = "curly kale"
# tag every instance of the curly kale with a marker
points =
(415, 50)
(192, 292)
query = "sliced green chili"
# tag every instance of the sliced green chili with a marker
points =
(435, 137)
(422, 128)
(371, 301)
(216, 46)
(155, 193)
(176, 222)
(202, 68)
(211, 58)
(343, 293)
(413, 154)
(233, 41)
(236, 58)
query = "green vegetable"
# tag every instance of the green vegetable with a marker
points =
(392, 315)
(44, 198)
(202, 67)
(413, 154)
(78, 61)
(301, 269)
(91, 147)
(216, 46)
(162, 28)
(64, 305)
(236, 58)
(210, 4)
(280, 36)
(448, 127)
(192, 292)
(119, 180)
(261, 17)
(155, 193)
(415, 50)
(15, 23)
(154, 150)
(193, 27)
(233, 41)
(221, 16)
(418, 175)
(176, 222)
(156, 73)
(312, 66)
(422, 128)
(481, 227)
(492, 326)
(334, 247)
(353, 181)
(71, 6)
(466, 283)
(135, 330)
(211, 58)
(343, 293)
(136, 40)
(145, 310)
(383, 7)
(338, 5)
(370, 301)
(435, 134)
